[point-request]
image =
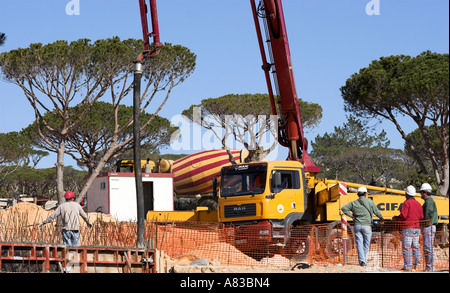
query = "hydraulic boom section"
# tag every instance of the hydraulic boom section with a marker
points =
(146, 35)
(290, 128)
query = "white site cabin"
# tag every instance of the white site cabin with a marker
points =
(115, 194)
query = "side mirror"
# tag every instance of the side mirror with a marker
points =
(276, 179)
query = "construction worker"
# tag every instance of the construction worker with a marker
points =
(411, 213)
(362, 210)
(69, 213)
(256, 183)
(429, 231)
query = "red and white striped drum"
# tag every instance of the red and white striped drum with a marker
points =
(193, 174)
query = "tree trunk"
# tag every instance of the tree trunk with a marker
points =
(95, 173)
(60, 171)
(230, 157)
(444, 184)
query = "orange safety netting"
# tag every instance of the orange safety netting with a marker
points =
(248, 245)
(257, 245)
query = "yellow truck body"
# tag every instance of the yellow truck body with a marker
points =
(201, 214)
(305, 200)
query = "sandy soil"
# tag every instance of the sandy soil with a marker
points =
(301, 268)
(26, 214)
(191, 263)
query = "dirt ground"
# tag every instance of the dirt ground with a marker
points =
(222, 257)
(192, 264)
(300, 268)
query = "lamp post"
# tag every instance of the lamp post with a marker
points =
(137, 153)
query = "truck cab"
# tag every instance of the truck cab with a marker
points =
(273, 191)
(262, 201)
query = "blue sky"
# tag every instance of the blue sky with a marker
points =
(329, 41)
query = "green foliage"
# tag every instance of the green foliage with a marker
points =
(416, 87)
(416, 179)
(170, 67)
(354, 133)
(40, 182)
(399, 84)
(13, 148)
(254, 105)
(240, 115)
(62, 81)
(94, 134)
(416, 139)
(355, 153)
(235, 104)
(16, 153)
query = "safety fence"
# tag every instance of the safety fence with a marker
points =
(113, 234)
(252, 245)
(256, 245)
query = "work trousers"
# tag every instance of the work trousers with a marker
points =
(428, 234)
(363, 234)
(410, 242)
(71, 237)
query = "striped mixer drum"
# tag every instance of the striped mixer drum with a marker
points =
(193, 174)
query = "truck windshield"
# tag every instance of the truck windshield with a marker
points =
(243, 180)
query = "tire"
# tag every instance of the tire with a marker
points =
(299, 243)
(335, 243)
(208, 202)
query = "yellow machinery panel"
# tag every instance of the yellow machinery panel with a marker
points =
(202, 214)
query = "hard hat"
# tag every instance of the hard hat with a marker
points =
(426, 187)
(410, 190)
(362, 189)
(69, 194)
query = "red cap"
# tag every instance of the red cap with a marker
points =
(69, 194)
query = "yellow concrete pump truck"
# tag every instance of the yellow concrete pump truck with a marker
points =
(278, 199)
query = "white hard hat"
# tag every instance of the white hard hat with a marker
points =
(426, 187)
(362, 189)
(410, 190)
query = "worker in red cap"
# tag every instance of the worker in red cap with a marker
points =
(69, 213)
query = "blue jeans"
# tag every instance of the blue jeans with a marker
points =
(363, 234)
(410, 240)
(71, 237)
(428, 234)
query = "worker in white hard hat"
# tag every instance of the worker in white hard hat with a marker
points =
(362, 210)
(411, 213)
(429, 231)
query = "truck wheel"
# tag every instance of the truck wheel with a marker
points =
(391, 241)
(442, 236)
(208, 202)
(335, 242)
(299, 243)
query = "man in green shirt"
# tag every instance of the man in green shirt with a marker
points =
(361, 210)
(431, 216)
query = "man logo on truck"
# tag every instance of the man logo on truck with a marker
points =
(386, 206)
(239, 208)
